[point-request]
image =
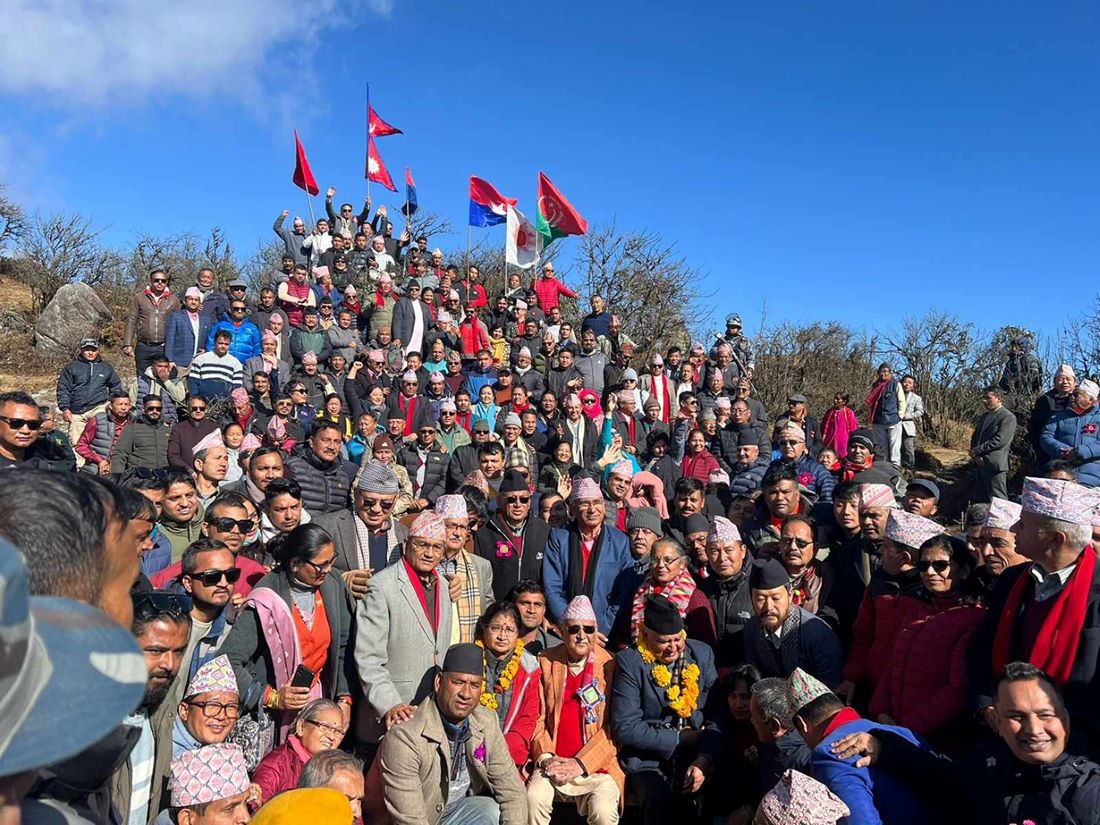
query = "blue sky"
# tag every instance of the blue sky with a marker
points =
(854, 161)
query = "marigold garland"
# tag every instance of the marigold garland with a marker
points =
(504, 681)
(683, 698)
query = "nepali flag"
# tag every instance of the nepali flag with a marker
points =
(303, 175)
(376, 127)
(376, 170)
(487, 206)
(410, 207)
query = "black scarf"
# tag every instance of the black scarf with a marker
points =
(581, 584)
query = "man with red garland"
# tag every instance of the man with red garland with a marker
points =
(1047, 612)
(572, 747)
(660, 718)
(403, 630)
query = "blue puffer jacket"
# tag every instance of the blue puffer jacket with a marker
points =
(1081, 433)
(246, 339)
(820, 481)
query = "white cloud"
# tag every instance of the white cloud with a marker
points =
(107, 52)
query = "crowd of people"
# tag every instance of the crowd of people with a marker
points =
(373, 545)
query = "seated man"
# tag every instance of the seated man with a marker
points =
(783, 637)
(209, 708)
(475, 783)
(209, 786)
(340, 771)
(572, 742)
(659, 715)
(871, 794)
(1026, 775)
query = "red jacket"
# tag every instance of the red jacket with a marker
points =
(549, 290)
(699, 466)
(474, 336)
(524, 710)
(924, 685)
(873, 632)
(281, 769)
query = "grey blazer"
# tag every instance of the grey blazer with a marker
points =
(396, 650)
(341, 526)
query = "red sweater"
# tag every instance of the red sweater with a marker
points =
(474, 336)
(549, 290)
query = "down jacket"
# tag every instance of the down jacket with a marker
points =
(435, 473)
(876, 627)
(325, 485)
(245, 340)
(924, 684)
(1081, 433)
(85, 384)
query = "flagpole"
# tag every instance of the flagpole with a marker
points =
(367, 161)
(466, 260)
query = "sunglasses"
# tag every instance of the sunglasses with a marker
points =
(159, 280)
(197, 409)
(237, 309)
(516, 499)
(225, 525)
(587, 629)
(153, 408)
(153, 603)
(801, 544)
(939, 565)
(382, 504)
(20, 423)
(209, 578)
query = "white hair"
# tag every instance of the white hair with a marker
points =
(1077, 535)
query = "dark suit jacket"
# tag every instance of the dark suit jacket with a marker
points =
(640, 712)
(527, 564)
(993, 437)
(587, 453)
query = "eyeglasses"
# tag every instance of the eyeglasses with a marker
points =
(322, 568)
(939, 565)
(587, 629)
(297, 390)
(209, 578)
(516, 499)
(237, 309)
(159, 280)
(502, 629)
(226, 525)
(20, 423)
(802, 544)
(153, 603)
(197, 409)
(335, 730)
(666, 561)
(212, 710)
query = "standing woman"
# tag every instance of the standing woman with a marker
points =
(839, 423)
(296, 615)
(510, 686)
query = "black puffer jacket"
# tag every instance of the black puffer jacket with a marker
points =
(325, 485)
(435, 471)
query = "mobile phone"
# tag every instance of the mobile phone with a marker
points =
(302, 678)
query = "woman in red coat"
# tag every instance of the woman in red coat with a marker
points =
(924, 685)
(319, 727)
(510, 686)
(699, 462)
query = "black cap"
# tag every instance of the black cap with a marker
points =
(464, 658)
(696, 523)
(514, 482)
(768, 574)
(662, 616)
(863, 437)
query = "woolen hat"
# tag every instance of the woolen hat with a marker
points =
(376, 477)
(767, 574)
(630, 374)
(464, 658)
(514, 482)
(481, 426)
(645, 518)
(662, 616)
(862, 437)
(696, 523)
(512, 420)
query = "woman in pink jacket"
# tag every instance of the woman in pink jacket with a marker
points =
(319, 727)
(839, 423)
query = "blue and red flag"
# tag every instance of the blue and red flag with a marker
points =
(410, 207)
(487, 206)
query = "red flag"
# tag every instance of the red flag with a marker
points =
(557, 217)
(303, 177)
(376, 170)
(376, 127)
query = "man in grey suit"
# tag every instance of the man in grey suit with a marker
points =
(366, 539)
(990, 445)
(403, 630)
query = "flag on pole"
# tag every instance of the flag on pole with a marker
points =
(376, 127)
(487, 206)
(376, 170)
(557, 217)
(303, 177)
(410, 206)
(522, 245)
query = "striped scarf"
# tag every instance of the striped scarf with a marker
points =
(678, 591)
(468, 604)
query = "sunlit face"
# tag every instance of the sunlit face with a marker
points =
(666, 564)
(215, 464)
(457, 695)
(791, 447)
(688, 503)
(313, 573)
(1030, 723)
(500, 634)
(997, 550)
(939, 574)
(374, 508)
(326, 444)
(772, 606)
(796, 547)
(323, 733)
(180, 503)
(285, 512)
(579, 636)
(782, 498)
(846, 513)
(666, 649)
(920, 501)
(590, 512)
(697, 443)
(1064, 383)
(209, 717)
(423, 554)
(726, 559)
(873, 522)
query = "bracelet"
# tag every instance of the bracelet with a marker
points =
(271, 698)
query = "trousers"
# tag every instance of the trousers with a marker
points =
(596, 798)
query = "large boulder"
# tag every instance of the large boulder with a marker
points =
(75, 312)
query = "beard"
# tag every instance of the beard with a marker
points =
(155, 695)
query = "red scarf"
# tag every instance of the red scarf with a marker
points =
(1056, 645)
(843, 718)
(380, 300)
(419, 588)
(849, 469)
(875, 396)
(355, 307)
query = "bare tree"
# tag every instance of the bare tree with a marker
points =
(267, 257)
(644, 280)
(61, 249)
(13, 222)
(182, 256)
(428, 224)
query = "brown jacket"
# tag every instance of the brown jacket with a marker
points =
(413, 770)
(148, 321)
(599, 752)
